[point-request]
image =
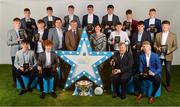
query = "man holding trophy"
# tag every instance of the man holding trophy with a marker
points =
(25, 64)
(121, 63)
(165, 44)
(149, 69)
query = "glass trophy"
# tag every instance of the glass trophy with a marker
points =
(164, 49)
(83, 86)
(138, 46)
(49, 24)
(36, 37)
(22, 33)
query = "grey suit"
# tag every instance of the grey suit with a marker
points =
(12, 36)
(66, 21)
(19, 59)
(53, 36)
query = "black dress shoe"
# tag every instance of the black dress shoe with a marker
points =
(114, 95)
(23, 92)
(42, 96)
(123, 97)
(30, 89)
(53, 94)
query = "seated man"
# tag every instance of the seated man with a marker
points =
(47, 65)
(121, 70)
(150, 69)
(25, 64)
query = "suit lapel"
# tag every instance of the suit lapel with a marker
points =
(168, 38)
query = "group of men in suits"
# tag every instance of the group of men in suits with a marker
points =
(129, 40)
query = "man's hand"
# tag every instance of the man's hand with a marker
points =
(159, 49)
(151, 73)
(31, 68)
(18, 40)
(40, 69)
(116, 71)
(21, 68)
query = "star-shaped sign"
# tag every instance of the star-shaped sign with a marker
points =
(84, 61)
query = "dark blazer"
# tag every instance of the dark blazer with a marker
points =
(125, 64)
(66, 21)
(154, 63)
(104, 22)
(145, 37)
(44, 37)
(42, 60)
(23, 23)
(157, 24)
(85, 20)
(46, 19)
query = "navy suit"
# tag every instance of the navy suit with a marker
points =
(85, 20)
(157, 24)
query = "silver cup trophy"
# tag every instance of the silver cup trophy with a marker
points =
(83, 86)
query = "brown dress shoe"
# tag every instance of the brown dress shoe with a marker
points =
(151, 100)
(139, 97)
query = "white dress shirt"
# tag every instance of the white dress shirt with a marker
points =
(60, 36)
(140, 36)
(148, 59)
(164, 38)
(39, 45)
(151, 21)
(48, 59)
(110, 17)
(90, 18)
(50, 18)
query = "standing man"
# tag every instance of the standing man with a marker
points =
(71, 16)
(165, 44)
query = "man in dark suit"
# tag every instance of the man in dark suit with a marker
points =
(90, 18)
(40, 35)
(49, 18)
(152, 24)
(47, 67)
(29, 24)
(149, 69)
(137, 39)
(121, 63)
(73, 37)
(71, 16)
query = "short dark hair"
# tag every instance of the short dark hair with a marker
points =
(110, 6)
(118, 23)
(73, 21)
(129, 11)
(49, 8)
(99, 26)
(25, 41)
(141, 22)
(71, 6)
(16, 19)
(26, 10)
(152, 10)
(57, 19)
(166, 22)
(40, 21)
(90, 6)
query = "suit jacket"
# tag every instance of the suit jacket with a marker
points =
(104, 22)
(71, 41)
(12, 36)
(19, 59)
(53, 36)
(157, 24)
(44, 37)
(66, 21)
(42, 60)
(85, 20)
(23, 23)
(171, 42)
(46, 19)
(145, 37)
(133, 26)
(125, 63)
(154, 63)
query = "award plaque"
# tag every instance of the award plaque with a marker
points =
(50, 24)
(117, 39)
(36, 37)
(164, 49)
(128, 25)
(152, 28)
(29, 25)
(26, 67)
(84, 86)
(90, 29)
(138, 46)
(22, 34)
(146, 71)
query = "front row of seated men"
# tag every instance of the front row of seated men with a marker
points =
(149, 69)
(26, 65)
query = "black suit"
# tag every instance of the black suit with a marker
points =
(115, 20)
(145, 37)
(85, 20)
(125, 65)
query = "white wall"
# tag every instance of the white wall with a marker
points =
(166, 9)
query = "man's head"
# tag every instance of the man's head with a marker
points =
(40, 24)
(152, 13)
(90, 9)
(48, 45)
(58, 23)
(122, 47)
(16, 23)
(140, 26)
(73, 24)
(71, 9)
(119, 26)
(166, 26)
(27, 13)
(129, 14)
(146, 47)
(110, 9)
(49, 11)
(25, 45)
